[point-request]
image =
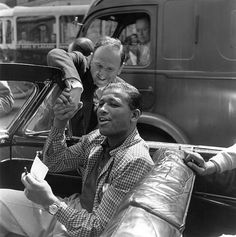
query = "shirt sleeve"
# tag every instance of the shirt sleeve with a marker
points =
(82, 223)
(68, 63)
(58, 157)
(123, 178)
(226, 159)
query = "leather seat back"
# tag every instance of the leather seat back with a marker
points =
(158, 205)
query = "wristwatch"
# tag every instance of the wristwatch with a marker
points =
(53, 208)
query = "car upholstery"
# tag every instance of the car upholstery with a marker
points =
(158, 205)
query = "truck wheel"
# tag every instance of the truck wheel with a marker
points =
(150, 133)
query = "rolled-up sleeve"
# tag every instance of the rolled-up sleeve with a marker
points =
(226, 159)
(67, 62)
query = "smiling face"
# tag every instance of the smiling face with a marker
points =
(115, 118)
(105, 65)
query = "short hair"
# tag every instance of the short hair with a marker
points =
(113, 42)
(83, 45)
(134, 96)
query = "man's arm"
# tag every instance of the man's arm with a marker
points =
(79, 222)
(57, 156)
(224, 160)
(70, 63)
(85, 224)
(6, 98)
(73, 66)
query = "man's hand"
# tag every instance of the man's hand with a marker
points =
(75, 89)
(38, 191)
(64, 109)
(196, 162)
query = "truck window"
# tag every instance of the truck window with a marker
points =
(132, 29)
(99, 28)
(68, 29)
(136, 39)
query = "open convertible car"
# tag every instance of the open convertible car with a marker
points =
(169, 201)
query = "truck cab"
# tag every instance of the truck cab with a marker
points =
(188, 80)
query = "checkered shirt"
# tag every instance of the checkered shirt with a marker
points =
(130, 162)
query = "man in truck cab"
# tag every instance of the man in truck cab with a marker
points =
(142, 52)
(143, 32)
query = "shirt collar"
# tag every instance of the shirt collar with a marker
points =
(129, 141)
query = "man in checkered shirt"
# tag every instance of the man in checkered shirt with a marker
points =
(114, 158)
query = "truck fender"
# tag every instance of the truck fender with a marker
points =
(160, 122)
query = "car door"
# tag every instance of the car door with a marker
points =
(29, 85)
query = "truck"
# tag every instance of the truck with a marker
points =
(189, 84)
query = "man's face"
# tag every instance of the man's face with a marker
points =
(114, 114)
(105, 65)
(143, 31)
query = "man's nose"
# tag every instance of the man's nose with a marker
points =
(102, 109)
(102, 73)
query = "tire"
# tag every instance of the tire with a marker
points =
(150, 133)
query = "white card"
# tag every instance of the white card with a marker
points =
(38, 169)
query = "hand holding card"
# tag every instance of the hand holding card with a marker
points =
(38, 169)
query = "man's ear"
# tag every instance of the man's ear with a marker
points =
(89, 58)
(136, 115)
